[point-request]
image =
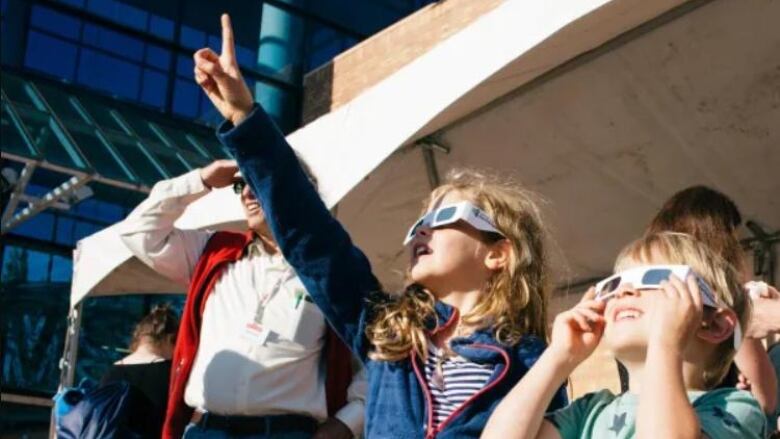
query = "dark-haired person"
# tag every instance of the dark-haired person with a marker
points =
(147, 369)
(251, 358)
(713, 218)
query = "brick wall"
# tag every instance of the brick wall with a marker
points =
(364, 65)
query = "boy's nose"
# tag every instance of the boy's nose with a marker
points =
(626, 290)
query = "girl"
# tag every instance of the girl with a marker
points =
(442, 354)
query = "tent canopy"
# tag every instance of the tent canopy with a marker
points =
(605, 108)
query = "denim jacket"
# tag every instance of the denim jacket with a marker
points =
(339, 279)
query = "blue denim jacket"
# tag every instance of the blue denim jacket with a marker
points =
(339, 279)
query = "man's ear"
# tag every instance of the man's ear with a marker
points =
(498, 255)
(719, 326)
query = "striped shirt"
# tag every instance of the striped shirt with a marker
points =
(461, 380)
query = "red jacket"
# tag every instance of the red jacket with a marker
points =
(222, 249)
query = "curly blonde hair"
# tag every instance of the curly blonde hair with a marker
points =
(515, 299)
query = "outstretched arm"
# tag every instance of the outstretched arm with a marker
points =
(336, 273)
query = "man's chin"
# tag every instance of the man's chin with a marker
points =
(256, 224)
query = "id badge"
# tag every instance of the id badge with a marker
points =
(254, 333)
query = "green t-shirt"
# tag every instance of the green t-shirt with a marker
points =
(723, 413)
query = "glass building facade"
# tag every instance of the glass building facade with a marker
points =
(101, 92)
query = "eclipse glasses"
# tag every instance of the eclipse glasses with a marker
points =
(452, 213)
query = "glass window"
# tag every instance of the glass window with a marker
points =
(106, 328)
(33, 325)
(154, 89)
(65, 228)
(158, 57)
(161, 27)
(100, 156)
(279, 104)
(191, 38)
(109, 212)
(75, 3)
(110, 74)
(50, 55)
(114, 42)
(119, 13)
(61, 269)
(51, 142)
(323, 44)
(84, 229)
(14, 265)
(100, 113)
(40, 226)
(13, 141)
(185, 66)
(172, 163)
(140, 163)
(37, 266)
(55, 22)
(186, 96)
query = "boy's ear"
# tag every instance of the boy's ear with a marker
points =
(719, 327)
(498, 255)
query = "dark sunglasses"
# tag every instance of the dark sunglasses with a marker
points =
(238, 186)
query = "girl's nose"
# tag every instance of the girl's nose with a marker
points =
(423, 230)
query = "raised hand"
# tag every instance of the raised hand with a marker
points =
(219, 173)
(220, 77)
(676, 313)
(577, 332)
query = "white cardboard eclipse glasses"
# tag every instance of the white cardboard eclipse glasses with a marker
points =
(651, 276)
(450, 214)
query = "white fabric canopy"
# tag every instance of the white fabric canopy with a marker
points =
(452, 90)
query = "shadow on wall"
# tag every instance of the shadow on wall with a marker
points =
(317, 93)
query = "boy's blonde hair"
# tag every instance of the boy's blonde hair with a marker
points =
(721, 276)
(516, 298)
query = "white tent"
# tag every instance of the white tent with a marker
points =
(604, 107)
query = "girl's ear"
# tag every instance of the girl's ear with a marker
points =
(719, 327)
(498, 255)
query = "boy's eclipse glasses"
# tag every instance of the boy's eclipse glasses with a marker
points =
(452, 213)
(651, 276)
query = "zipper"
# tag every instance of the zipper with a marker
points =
(432, 431)
(488, 387)
(429, 430)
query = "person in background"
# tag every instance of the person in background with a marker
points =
(713, 218)
(147, 370)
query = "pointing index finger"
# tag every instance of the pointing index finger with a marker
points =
(228, 46)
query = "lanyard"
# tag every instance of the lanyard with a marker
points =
(263, 302)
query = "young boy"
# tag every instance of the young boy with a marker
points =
(675, 336)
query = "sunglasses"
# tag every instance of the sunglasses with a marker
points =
(452, 213)
(238, 186)
(651, 276)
